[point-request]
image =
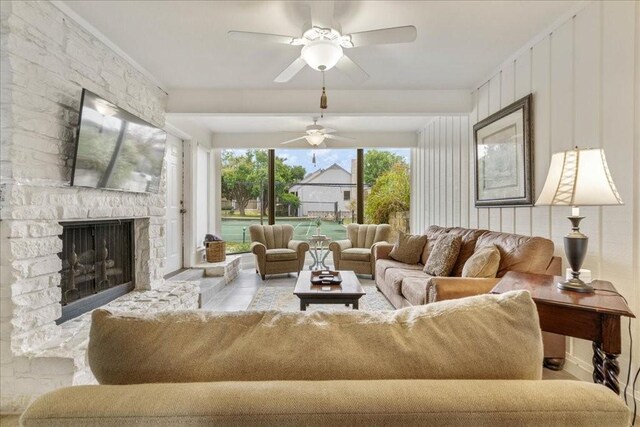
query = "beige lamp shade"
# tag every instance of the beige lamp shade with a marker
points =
(579, 178)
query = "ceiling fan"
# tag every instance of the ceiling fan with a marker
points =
(323, 44)
(316, 135)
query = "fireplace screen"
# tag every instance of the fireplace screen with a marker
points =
(97, 264)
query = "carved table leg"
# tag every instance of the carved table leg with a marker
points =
(605, 368)
(598, 363)
(611, 371)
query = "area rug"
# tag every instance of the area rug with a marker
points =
(282, 298)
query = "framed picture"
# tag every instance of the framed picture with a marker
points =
(503, 157)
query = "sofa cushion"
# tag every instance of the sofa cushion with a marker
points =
(443, 255)
(281, 255)
(414, 290)
(483, 263)
(469, 238)
(382, 265)
(408, 248)
(500, 338)
(395, 277)
(407, 403)
(519, 253)
(356, 254)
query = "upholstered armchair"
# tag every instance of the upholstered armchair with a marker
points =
(275, 250)
(356, 251)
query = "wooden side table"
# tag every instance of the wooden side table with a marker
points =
(594, 317)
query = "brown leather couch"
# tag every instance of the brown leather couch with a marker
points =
(406, 285)
(275, 250)
(355, 253)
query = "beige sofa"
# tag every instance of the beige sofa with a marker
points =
(275, 250)
(406, 285)
(355, 253)
(411, 367)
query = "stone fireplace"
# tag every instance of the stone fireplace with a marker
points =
(50, 59)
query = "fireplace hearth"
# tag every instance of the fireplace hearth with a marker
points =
(97, 264)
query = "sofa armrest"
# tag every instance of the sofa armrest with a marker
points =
(340, 245)
(382, 250)
(444, 288)
(258, 248)
(300, 246)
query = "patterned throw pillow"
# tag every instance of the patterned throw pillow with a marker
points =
(408, 248)
(443, 256)
(483, 263)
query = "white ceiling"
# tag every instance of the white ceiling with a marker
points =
(270, 124)
(184, 43)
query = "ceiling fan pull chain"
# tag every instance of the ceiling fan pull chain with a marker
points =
(323, 97)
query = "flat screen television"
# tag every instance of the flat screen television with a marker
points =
(115, 149)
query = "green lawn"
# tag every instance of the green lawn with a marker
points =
(233, 230)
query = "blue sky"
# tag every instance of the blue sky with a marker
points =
(325, 157)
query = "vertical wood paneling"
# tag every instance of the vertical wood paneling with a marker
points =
(522, 87)
(473, 211)
(618, 104)
(455, 153)
(584, 79)
(450, 191)
(465, 194)
(483, 112)
(495, 96)
(507, 96)
(540, 87)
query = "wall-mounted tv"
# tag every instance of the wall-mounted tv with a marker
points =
(115, 149)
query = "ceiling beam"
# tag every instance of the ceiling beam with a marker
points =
(273, 140)
(341, 102)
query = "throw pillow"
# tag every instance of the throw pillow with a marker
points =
(408, 248)
(443, 255)
(483, 263)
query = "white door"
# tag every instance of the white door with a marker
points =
(174, 205)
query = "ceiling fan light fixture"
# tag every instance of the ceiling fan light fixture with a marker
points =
(322, 55)
(315, 138)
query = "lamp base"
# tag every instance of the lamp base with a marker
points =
(576, 285)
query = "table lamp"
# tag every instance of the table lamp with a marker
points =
(578, 178)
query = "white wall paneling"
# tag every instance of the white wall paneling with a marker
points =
(584, 76)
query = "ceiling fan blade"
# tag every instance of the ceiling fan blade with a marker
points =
(404, 34)
(339, 138)
(292, 140)
(293, 69)
(261, 37)
(328, 130)
(321, 13)
(351, 69)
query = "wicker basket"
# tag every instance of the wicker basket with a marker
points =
(216, 251)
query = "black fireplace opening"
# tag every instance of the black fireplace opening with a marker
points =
(97, 264)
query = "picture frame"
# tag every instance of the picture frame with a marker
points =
(504, 157)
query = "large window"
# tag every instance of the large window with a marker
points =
(316, 189)
(244, 196)
(387, 187)
(312, 188)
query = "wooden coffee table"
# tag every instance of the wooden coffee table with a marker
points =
(594, 317)
(348, 292)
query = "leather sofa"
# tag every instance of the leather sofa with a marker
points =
(275, 250)
(410, 367)
(355, 253)
(407, 285)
